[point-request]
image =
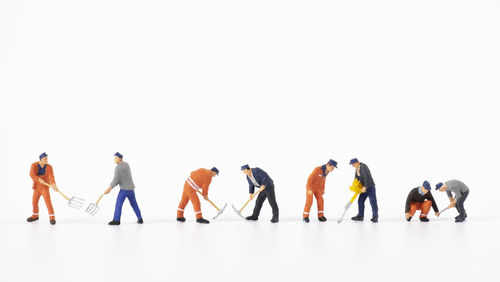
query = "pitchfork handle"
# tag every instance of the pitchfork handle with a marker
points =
(65, 197)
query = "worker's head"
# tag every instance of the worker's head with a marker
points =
(426, 186)
(118, 158)
(441, 187)
(331, 165)
(44, 159)
(246, 170)
(354, 162)
(215, 171)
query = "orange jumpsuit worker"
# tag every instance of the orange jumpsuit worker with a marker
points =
(316, 187)
(198, 180)
(42, 174)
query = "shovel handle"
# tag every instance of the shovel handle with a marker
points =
(65, 197)
(99, 199)
(249, 200)
(208, 200)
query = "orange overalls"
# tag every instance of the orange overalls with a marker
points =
(316, 187)
(199, 179)
(424, 208)
(42, 190)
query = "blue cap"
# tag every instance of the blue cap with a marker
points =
(426, 185)
(43, 155)
(214, 169)
(439, 185)
(332, 162)
(119, 155)
(245, 167)
(353, 161)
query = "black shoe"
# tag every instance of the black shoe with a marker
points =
(408, 219)
(181, 219)
(357, 218)
(254, 218)
(140, 221)
(424, 219)
(202, 220)
(114, 222)
(460, 218)
(306, 219)
(465, 216)
(53, 221)
(274, 220)
(322, 219)
(374, 220)
(31, 219)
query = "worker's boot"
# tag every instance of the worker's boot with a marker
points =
(465, 215)
(253, 217)
(408, 219)
(202, 220)
(181, 219)
(275, 220)
(461, 218)
(53, 221)
(424, 219)
(140, 221)
(374, 220)
(357, 218)
(322, 219)
(306, 219)
(113, 222)
(31, 219)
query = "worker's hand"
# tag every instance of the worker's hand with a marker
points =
(309, 192)
(54, 186)
(363, 190)
(451, 205)
(262, 188)
(438, 214)
(323, 192)
(42, 181)
(407, 215)
(251, 196)
(107, 190)
(205, 197)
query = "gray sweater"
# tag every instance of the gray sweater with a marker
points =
(457, 187)
(123, 176)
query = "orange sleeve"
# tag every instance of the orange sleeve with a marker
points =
(33, 173)
(50, 174)
(311, 182)
(206, 183)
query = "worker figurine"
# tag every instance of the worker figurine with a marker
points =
(123, 177)
(420, 198)
(368, 191)
(43, 179)
(257, 177)
(461, 192)
(316, 187)
(199, 179)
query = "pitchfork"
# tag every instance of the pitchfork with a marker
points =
(92, 209)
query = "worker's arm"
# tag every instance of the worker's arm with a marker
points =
(434, 204)
(251, 188)
(52, 180)
(204, 187)
(34, 175)
(114, 182)
(407, 205)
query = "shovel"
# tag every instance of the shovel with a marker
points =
(74, 202)
(92, 209)
(238, 211)
(219, 211)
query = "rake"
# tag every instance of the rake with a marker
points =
(73, 202)
(219, 211)
(92, 209)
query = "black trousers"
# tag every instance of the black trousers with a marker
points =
(460, 203)
(268, 194)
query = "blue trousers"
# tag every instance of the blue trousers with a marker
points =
(119, 203)
(370, 193)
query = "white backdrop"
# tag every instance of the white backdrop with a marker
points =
(410, 88)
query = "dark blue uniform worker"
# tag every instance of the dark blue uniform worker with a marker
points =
(364, 176)
(258, 178)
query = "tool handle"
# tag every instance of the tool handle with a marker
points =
(353, 197)
(99, 199)
(215, 206)
(65, 197)
(249, 200)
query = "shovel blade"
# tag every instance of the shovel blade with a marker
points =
(219, 212)
(237, 211)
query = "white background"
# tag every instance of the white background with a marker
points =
(410, 88)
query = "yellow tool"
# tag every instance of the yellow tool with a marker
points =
(356, 188)
(219, 211)
(74, 202)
